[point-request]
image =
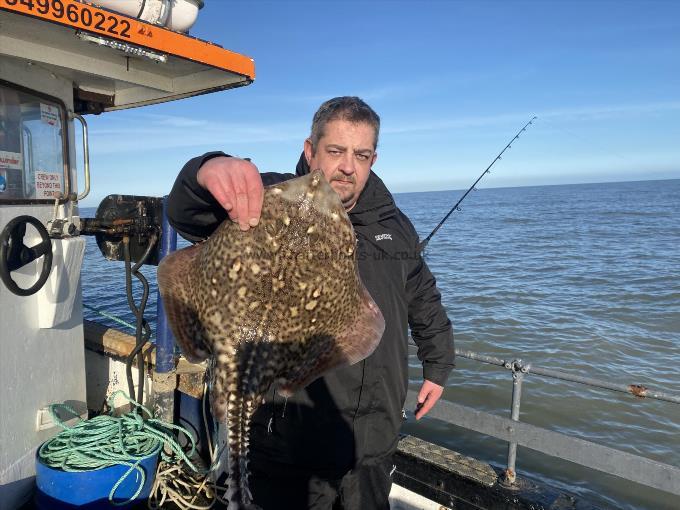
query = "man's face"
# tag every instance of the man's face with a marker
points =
(345, 155)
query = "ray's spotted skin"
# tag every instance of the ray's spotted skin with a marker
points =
(279, 304)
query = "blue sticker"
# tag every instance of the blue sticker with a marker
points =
(3, 182)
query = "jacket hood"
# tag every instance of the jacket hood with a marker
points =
(375, 201)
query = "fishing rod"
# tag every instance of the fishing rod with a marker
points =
(423, 244)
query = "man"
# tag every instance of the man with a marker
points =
(330, 445)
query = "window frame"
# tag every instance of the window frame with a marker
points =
(65, 147)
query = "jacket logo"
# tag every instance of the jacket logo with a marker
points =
(383, 237)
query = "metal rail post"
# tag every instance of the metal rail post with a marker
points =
(518, 371)
(164, 376)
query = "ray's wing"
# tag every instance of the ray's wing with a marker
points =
(358, 340)
(175, 287)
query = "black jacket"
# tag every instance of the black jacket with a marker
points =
(352, 414)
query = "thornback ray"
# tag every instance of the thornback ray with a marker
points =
(279, 304)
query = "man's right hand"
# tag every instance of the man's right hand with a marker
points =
(236, 184)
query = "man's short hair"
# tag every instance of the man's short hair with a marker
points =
(349, 108)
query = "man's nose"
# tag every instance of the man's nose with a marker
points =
(348, 164)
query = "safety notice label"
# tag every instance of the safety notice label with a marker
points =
(10, 160)
(48, 184)
(49, 114)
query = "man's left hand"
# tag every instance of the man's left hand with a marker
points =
(427, 397)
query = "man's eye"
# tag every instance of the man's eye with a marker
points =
(362, 157)
(334, 152)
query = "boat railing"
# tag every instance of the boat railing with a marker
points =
(636, 468)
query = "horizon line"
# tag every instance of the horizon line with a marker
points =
(540, 185)
(488, 187)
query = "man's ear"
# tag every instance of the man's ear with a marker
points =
(309, 150)
(373, 160)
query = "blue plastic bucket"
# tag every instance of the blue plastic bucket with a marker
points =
(59, 489)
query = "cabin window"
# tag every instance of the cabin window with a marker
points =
(32, 142)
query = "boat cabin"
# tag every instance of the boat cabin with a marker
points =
(61, 60)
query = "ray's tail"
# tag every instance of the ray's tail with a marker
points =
(244, 394)
(238, 425)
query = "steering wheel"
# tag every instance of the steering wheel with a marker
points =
(14, 254)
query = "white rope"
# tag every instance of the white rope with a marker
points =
(174, 483)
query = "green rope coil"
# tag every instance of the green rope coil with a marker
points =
(107, 440)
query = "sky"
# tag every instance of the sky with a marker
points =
(452, 81)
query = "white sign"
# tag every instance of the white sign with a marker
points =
(48, 184)
(10, 160)
(49, 114)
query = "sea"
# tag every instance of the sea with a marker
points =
(581, 278)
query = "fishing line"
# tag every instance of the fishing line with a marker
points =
(423, 244)
(587, 141)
